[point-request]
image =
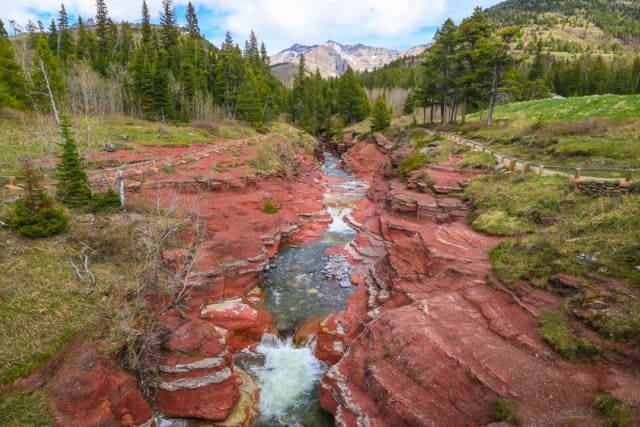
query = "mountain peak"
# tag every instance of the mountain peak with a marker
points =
(333, 58)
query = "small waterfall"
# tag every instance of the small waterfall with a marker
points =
(288, 380)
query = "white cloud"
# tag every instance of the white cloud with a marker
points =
(285, 21)
(279, 22)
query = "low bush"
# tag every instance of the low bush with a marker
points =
(270, 208)
(209, 125)
(105, 202)
(46, 221)
(506, 411)
(412, 162)
(426, 178)
(613, 412)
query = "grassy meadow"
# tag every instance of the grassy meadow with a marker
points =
(601, 131)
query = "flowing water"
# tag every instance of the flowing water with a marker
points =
(302, 283)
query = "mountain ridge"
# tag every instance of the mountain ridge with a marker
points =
(332, 58)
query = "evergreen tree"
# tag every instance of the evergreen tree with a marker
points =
(53, 36)
(381, 114)
(146, 24)
(48, 87)
(73, 184)
(250, 99)
(353, 103)
(474, 61)
(125, 51)
(102, 55)
(192, 22)
(169, 35)
(86, 44)
(141, 75)
(65, 40)
(162, 96)
(12, 84)
(34, 215)
(229, 71)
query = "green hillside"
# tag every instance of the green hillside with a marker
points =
(593, 131)
(618, 18)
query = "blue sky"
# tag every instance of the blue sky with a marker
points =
(397, 24)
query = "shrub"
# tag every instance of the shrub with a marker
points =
(506, 411)
(209, 125)
(613, 412)
(412, 162)
(43, 221)
(556, 331)
(105, 202)
(270, 208)
(426, 178)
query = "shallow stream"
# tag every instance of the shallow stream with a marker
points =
(303, 282)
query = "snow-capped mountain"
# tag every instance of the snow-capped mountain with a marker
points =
(332, 59)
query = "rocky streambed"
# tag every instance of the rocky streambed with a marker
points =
(396, 311)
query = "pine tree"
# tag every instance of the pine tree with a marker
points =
(34, 215)
(12, 84)
(229, 71)
(353, 103)
(192, 22)
(162, 96)
(381, 114)
(103, 48)
(65, 40)
(169, 35)
(86, 44)
(53, 36)
(146, 24)
(250, 99)
(73, 184)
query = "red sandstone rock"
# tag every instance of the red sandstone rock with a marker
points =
(90, 390)
(429, 342)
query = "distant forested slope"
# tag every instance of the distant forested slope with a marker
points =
(619, 18)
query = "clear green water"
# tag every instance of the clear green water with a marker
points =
(297, 287)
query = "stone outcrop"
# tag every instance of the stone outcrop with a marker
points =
(431, 337)
(91, 390)
(188, 364)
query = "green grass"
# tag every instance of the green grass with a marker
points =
(43, 304)
(423, 154)
(478, 160)
(18, 409)
(37, 135)
(552, 227)
(556, 331)
(594, 131)
(613, 412)
(518, 203)
(506, 411)
(277, 152)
